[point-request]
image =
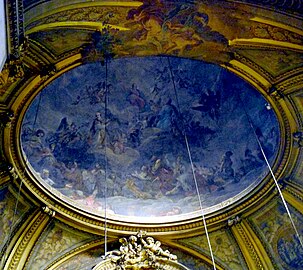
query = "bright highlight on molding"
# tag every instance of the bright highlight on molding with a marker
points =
(78, 25)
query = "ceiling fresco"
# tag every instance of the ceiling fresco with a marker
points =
(148, 28)
(116, 115)
(62, 41)
(140, 135)
(275, 62)
(294, 6)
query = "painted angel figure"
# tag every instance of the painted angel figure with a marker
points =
(97, 131)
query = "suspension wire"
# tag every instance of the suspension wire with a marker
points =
(191, 163)
(16, 204)
(105, 155)
(12, 225)
(37, 109)
(271, 171)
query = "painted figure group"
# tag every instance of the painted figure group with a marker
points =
(141, 140)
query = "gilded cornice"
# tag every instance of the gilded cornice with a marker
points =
(39, 51)
(91, 223)
(96, 15)
(25, 240)
(292, 7)
(294, 195)
(4, 179)
(275, 25)
(39, 56)
(185, 227)
(161, 264)
(296, 102)
(249, 74)
(289, 74)
(287, 82)
(291, 84)
(263, 43)
(251, 247)
(253, 65)
(15, 27)
(18, 92)
(296, 176)
(276, 32)
(75, 11)
(270, 35)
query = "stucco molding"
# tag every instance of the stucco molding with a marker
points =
(294, 195)
(238, 56)
(251, 247)
(291, 84)
(91, 222)
(26, 241)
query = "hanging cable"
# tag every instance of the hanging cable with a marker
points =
(105, 155)
(12, 225)
(271, 171)
(191, 163)
(37, 110)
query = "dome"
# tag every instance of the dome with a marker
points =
(140, 137)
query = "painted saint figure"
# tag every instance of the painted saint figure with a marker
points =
(226, 170)
(168, 118)
(45, 176)
(135, 97)
(97, 132)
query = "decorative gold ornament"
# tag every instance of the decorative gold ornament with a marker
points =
(139, 253)
(49, 211)
(298, 138)
(233, 221)
(13, 70)
(6, 118)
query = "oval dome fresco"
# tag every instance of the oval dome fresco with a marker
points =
(142, 139)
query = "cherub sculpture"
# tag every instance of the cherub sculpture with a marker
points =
(139, 253)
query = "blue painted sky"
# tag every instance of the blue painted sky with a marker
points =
(127, 140)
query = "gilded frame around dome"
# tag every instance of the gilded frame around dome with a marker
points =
(35, 85)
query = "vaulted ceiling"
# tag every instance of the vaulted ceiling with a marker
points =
(55, 49)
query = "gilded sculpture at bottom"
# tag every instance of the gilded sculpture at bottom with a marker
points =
(139, 253)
